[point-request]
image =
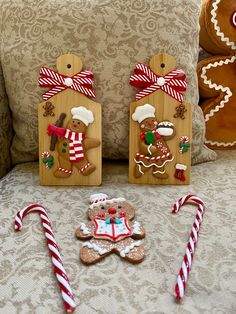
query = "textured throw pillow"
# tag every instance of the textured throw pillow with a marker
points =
(110, 36)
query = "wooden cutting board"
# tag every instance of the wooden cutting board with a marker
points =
(166, 108)
(49, 112)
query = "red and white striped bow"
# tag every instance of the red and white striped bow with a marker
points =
(81, 82)
(172, 83)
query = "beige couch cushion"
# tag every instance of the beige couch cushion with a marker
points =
(111, 37)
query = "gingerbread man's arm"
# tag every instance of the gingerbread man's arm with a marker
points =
(85, 231)
(90, 143)
(138, 231)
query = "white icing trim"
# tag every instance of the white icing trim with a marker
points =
(140, 161)
(136, 228)
(95, 247)
(149, 146)
(180, 167)
(129, 248)
(165, 123)
(139, 168)
(165, 131)
(220, 143)
(219, 33)
(84, 228)
(161, 172)
(217, 87)
(113, 200)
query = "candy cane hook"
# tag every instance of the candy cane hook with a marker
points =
(60, 272)
(192, 242)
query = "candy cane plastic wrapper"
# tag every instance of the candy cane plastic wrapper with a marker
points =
(189, 253)
(60, 272)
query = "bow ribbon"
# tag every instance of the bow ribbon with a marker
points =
(81, 82)
(172, 83)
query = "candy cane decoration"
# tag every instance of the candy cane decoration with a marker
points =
(192, 242)
(60, 272)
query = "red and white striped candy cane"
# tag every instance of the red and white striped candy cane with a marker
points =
(192, 242)
(60, 272)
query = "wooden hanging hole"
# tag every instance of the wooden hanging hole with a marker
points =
(68, 66)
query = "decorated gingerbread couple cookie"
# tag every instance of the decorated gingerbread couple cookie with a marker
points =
(69, 126)
(111, 229)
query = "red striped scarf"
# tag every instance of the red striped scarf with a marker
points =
(75, 145)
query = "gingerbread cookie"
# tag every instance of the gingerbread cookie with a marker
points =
(217, 73)
(73, 145)
(153, 151)
(111, 230)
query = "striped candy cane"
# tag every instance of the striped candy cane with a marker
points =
(192, 242)
(60, 272)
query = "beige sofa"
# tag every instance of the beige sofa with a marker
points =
(30, 39)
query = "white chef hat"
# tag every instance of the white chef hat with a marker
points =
(143, 112)
(83, 114)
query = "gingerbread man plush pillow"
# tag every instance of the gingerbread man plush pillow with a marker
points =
(111, 229)
(217, 74)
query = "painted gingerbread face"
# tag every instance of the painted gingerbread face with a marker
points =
(76, 125)
(112, 211)
(148, 124)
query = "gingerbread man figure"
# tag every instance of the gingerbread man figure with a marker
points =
(153, 151)
(111, 230)
(73, 144)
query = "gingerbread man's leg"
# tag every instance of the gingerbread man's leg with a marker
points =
(159, 173)
(85, 167)
(131, 250)
(139, 170)
(65, 168)
(95, 250)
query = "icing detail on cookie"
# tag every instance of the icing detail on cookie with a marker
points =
(84, 229)
(107, 202)
(129, 248)
(152, 164)
(219, 33)
(136, 228)
(217, 87)
(112, 231)
(95, 247)
(158, 171)
(213, 143)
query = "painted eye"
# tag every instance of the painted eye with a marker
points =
(102, 207)
(78, 122)
(119, 206)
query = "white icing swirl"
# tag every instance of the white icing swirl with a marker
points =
(136, 228)
(129, 248)
(84, 229)
(95, 247)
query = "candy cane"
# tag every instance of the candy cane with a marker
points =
(60, 272)
(192, 242)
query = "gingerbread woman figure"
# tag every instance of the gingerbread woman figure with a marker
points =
(73, 144)
(111, 230)
(153, 151)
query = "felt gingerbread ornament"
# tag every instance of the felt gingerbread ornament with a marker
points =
(111, 229)
(73, 133)
(217, 73)
(158, 119)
